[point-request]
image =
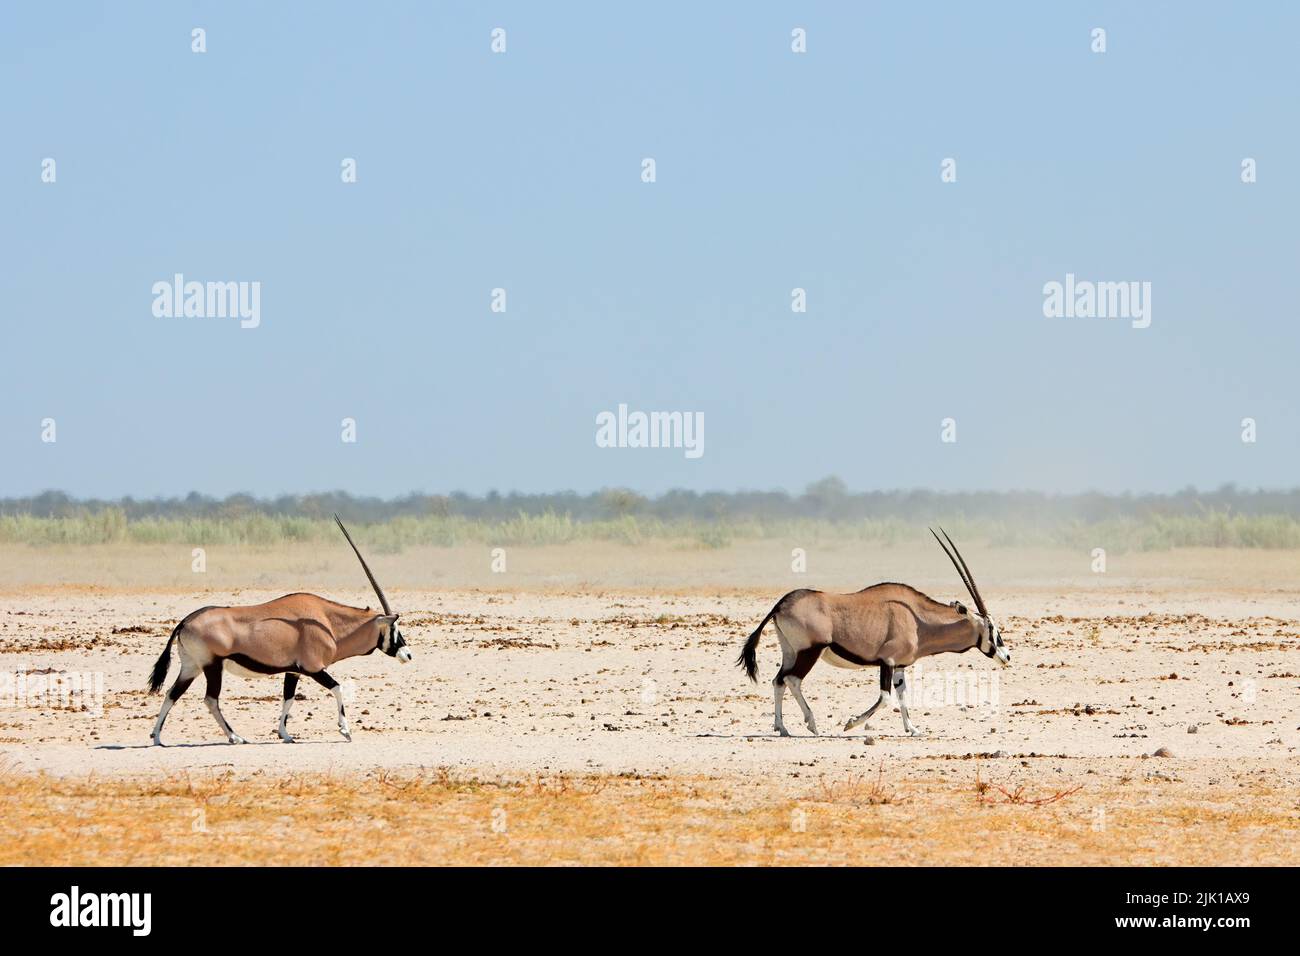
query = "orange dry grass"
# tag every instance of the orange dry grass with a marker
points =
(435, 818)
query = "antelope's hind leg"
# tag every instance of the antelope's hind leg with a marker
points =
(213, 699)
(802, 665)
(329, 683)
(778, 685)
(183, 681)
(290, 688)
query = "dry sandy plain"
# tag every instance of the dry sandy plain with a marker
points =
(585, 708)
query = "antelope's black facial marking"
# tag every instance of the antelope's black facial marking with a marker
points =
(392, 643)
(997, 649)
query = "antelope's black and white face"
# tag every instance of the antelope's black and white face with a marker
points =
(990, 643)
(393, 644)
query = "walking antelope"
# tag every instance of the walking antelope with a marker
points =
(890, 625)
(293, 635)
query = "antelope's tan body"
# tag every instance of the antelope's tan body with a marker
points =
(297, 632)
(887, 623)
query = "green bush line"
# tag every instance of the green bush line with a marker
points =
(110, 525)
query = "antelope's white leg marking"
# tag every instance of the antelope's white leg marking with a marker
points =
(900, 683)
(284, 720)
(778, 695)
(215, 707)
(156, 736)
(796, 688)
(343, 717)
(778, 682)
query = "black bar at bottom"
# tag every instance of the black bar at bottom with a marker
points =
(948, 905)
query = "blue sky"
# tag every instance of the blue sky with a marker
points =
(522, 171)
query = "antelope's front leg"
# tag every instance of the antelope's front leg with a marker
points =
(290, 688)
(329, 683)
(213, 699)
(900, 689)
(886, 691)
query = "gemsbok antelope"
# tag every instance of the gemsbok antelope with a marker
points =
(298, 634)
(889, 625)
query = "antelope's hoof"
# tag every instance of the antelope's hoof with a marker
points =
(157, 741)
(782, 731)
(913, 732)
(287, 739)
(346, 736)
(813, 728)
(236, 739)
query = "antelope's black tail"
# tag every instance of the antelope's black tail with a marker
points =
(748, 658)
(160, 666)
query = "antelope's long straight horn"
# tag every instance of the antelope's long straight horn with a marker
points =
(961, 573)
(365, 567)
(970, 578)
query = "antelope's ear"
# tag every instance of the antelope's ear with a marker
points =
(385, 620)
(961, 608)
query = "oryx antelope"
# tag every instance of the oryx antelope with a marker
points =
(298, 634)
(889, 625)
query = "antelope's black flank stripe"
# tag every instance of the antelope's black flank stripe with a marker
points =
(257, 667)
(840, 651)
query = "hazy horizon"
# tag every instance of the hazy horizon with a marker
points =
(829, 487)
